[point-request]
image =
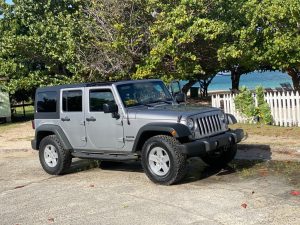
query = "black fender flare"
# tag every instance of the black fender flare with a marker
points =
(55, 129)
(177, 130)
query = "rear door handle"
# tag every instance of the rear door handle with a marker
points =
(91, 119)
(65, 119)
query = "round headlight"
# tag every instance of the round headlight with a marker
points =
(190, 123)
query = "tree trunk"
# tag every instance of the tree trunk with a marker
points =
(187, 86)
(204, 86)
(235, 80)
(295, 74)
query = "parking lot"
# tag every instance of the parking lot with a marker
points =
(247, 192)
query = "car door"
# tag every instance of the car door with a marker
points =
(72, 116)
(103, 131)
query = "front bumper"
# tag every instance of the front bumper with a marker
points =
(209, 144)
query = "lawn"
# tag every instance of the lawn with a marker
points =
(29, 111)
(268, 130)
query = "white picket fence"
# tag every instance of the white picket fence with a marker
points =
(285, 107)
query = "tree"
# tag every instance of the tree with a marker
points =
(39, 41)
(117, 38)
(237, 53)
(275, 26)
(185, 39)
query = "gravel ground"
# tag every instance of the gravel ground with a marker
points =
(120, 193)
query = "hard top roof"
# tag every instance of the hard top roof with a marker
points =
(92, 84)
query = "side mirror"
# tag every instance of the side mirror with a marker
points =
(180, 97)
(110, 108)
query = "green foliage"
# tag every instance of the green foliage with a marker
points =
(184, 40)
(38, 44)
(118, 33)
(273, 25)
(245, 104)
(263, 108)
(46, 42)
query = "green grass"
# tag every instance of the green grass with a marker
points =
(268, 130)
(29, 111)
(18, 116)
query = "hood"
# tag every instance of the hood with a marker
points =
(167, 112)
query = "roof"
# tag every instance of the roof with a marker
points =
(92, 84)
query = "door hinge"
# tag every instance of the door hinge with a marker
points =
(121, 140)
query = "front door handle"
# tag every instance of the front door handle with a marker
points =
(65, 119)
(91, 119)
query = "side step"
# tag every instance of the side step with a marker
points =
(106, 156)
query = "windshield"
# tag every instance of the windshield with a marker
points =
(144, 93)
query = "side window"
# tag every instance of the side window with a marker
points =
(98, 98)
(72, 101)
(46, 101)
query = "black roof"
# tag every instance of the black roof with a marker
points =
(92, 84)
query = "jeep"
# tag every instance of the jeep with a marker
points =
(129, 120)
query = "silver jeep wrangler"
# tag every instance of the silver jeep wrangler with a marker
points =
(129, 120)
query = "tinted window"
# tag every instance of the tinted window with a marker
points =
(98, 98)
(72, 101)
(46, 101)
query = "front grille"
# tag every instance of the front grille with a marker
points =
(208, 125)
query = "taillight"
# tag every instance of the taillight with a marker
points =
(32, 124)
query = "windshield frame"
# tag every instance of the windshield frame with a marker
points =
(168, 95)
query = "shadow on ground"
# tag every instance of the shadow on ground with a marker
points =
(247, 157)
(197, 169)
(254, 152)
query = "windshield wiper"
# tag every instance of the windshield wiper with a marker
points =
(144, 104)
(164, 101)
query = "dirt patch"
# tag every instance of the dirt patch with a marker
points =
(16, 136)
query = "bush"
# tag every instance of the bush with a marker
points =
(245, 105)
(264, 111)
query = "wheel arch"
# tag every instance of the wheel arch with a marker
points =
(49, 129)
(176, 130)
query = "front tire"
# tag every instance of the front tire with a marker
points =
(54, 159)
(162, 161)
(222, 158)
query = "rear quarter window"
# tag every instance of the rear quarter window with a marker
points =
(72, 101)
(46, 101)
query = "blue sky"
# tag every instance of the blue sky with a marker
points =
(9, 1)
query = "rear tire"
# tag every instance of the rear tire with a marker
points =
(162, 161)
(222, 159)
(54, 159)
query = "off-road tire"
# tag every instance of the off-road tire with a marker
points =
(177, 159)
(64, 156)
(222, 159)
